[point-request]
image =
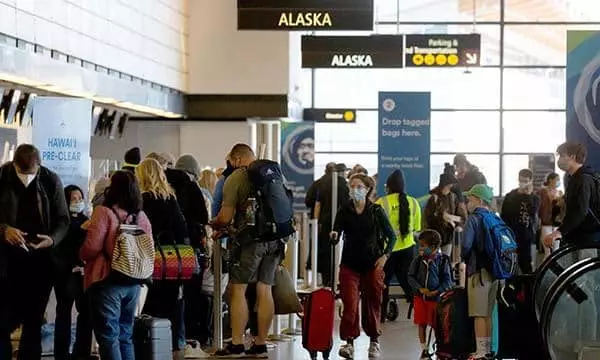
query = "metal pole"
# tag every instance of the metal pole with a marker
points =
(334, 208)
(305, 242)
(291, 330)
(314, 282)
(217, 297)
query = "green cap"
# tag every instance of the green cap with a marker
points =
(482, 192)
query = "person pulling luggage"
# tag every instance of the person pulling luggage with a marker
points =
(368, 242)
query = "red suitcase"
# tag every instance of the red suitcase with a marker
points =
(318, 319)
(317, 323)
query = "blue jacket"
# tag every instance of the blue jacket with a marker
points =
(218, 196)
(472, 249)
(434, 274)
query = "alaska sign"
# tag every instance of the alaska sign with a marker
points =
(302, 15)
(360, 52)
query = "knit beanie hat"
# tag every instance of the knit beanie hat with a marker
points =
(188, 164)
(133, 156)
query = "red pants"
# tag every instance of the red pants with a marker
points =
(352, 285)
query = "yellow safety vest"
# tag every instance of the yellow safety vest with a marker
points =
(391, 204)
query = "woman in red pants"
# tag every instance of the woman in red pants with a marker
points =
(368, 242)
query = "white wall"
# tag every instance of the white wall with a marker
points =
(223, 60)
(209, 142)
(144, 38)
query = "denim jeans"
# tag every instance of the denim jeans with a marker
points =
(113, 314)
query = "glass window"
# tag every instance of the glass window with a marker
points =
(490, 36)
(369, 161)
(306, 87)
(540, 88)
(533, 131)
(538, 44)
(356, 137)
(478, 88)
(489, 165)
(458, 131)
(437, 10)
(560, 11)
(512, 164)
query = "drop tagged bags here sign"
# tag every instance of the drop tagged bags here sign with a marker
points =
(302, 15)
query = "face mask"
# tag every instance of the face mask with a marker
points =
(426, 251)
(557, 184)
(76, 208)
(524, 184)
(359, 194)
(563, 164)
(26, 179)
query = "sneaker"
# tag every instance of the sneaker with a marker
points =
(346, 351)
(193, 350)
(425, 354)
(374, 350)
(231, 352)
(258, 352)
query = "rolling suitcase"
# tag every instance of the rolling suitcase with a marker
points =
(318, 319)
(152, 338)
(454, 332)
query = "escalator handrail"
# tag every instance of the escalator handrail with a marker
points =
(557, 289)
(551, 261)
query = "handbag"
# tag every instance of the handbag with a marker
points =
(285, 298)
(174, 262)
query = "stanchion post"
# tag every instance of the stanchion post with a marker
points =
(291, 330)
(217, 296)
(305, 243)
(334, 208)
(314, 231)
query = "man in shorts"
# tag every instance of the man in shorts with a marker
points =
(481, 285)
(252, 261)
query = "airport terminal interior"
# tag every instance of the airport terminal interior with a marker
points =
(415, 95)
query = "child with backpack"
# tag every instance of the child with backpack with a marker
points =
(490, 252)
(429, 275)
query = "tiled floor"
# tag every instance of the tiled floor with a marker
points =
(398, 342)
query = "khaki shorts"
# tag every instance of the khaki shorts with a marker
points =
(482, 290)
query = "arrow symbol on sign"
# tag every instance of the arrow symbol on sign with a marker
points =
(471, 58)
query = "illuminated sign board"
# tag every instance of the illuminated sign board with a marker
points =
(375, 51)
(330, 115)
(443, 50)
(302, 15)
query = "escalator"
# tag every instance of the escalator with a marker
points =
(566, 298)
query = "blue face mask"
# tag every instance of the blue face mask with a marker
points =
(358, 194)
(427, 251)
(558, 184)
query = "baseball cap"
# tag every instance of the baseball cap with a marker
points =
(482, 192)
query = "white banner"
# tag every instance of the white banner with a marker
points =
(62, 128)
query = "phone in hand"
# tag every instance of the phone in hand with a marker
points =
(32, 239)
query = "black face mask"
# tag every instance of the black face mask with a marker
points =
(229, 169)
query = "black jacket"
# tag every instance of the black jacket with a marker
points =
(191, 202)
(321, 190)
(168, 224)
(582, 206)
(67, 252)
(472, 177)
(520, 213)
(53, 207)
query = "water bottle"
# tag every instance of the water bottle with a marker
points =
(251, 212)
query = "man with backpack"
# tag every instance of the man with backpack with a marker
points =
(256, 200)
(489, 251)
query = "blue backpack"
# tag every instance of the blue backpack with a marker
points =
(500, 245)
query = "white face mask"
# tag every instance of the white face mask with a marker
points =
(26, 179)
(77, 208)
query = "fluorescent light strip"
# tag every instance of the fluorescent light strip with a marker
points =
(103, 100)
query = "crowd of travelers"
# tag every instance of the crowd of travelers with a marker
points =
(52, 237)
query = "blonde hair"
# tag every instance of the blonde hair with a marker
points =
(208, 180)
(152, 179)
(162, 161)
